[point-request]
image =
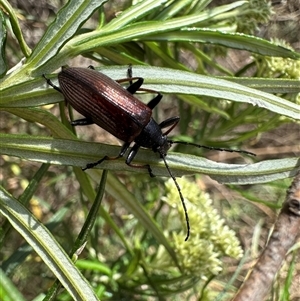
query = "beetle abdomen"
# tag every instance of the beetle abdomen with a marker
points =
(100, 99)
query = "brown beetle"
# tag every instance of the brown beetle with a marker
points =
(103, 101)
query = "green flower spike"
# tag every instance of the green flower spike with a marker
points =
(209, 240)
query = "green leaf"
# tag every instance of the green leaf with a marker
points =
(29, 93)
(15, 27)
(46, 247)
(45, 118)
(8, 291)
(166, 81)
(181, 82)
(231, 40)
(105, 36)
(269, 85)
(134, 13)
(78, 153)
(68, 20)
(3, 65)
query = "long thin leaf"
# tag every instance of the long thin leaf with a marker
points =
(15, 27)
(3, 35)
(231, 40)
(68, 20)
(78, 153)
(8, 290)
(99, 38)
(134, 13)
(46, 247)
(269, 85)
(169, 81)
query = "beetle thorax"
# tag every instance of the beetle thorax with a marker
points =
(152, 137)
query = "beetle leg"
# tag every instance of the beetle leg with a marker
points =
(131, 156)
(155, 101)
(135, 86)
(132, 88)
(92, 165)
(121, 154)
(169, 122)
(129, 73)
(83, 121)
(49, 82)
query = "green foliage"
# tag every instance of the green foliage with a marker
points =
(135, 249)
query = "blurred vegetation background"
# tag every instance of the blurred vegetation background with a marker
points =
(232, 222)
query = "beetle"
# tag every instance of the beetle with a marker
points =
(103, 101)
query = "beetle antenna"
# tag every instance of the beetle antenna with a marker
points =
(181, 198)
(211, 147)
